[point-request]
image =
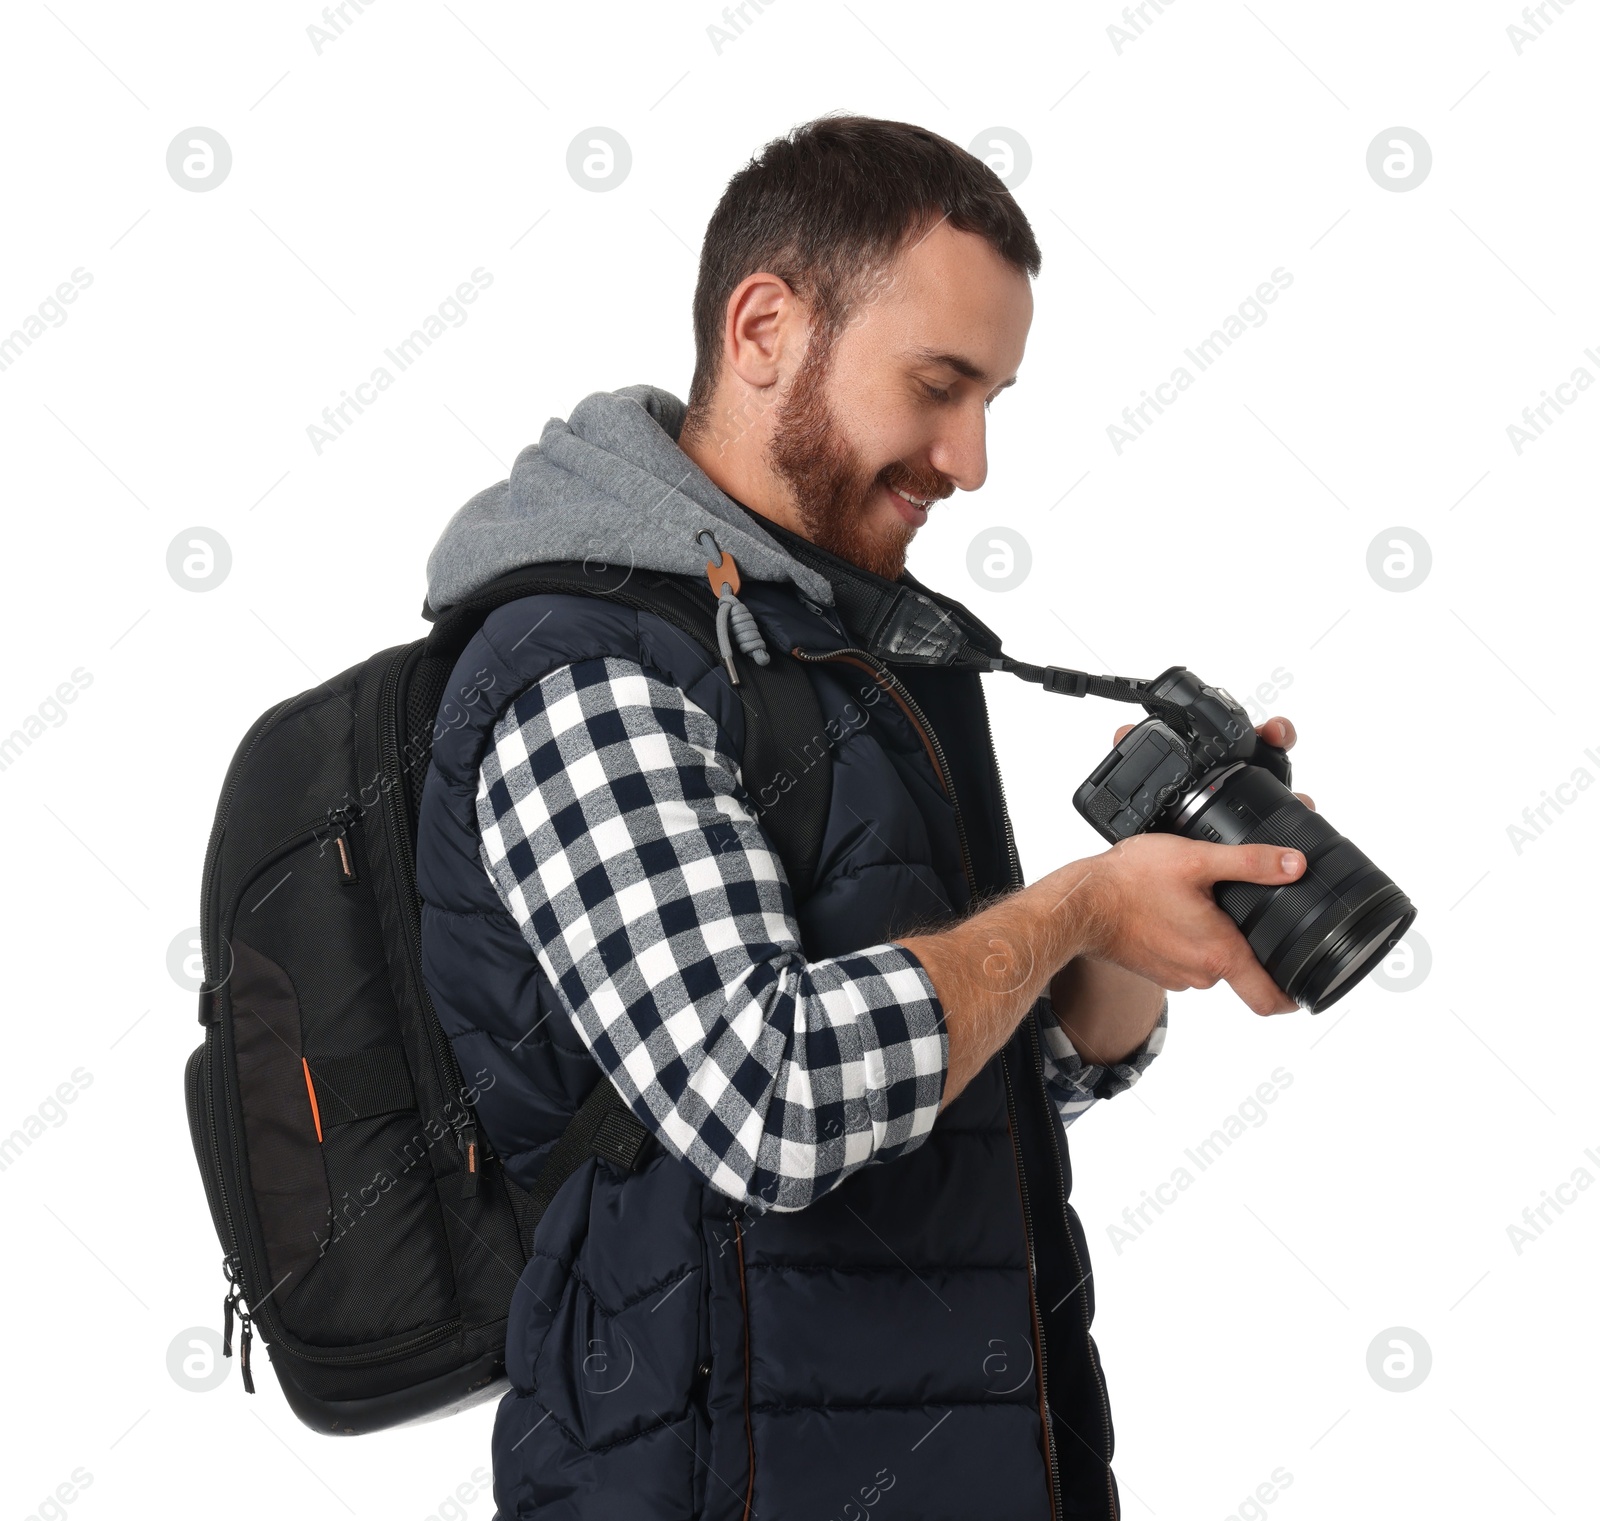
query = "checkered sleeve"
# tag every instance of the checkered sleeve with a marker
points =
(616, 829)
(1075, 1084)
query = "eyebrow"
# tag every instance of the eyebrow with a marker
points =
(959, 363)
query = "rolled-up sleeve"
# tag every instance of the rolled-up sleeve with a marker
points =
(616, 830)
(1075, 1084)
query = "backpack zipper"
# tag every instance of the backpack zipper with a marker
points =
(340, 821)
(246, 1267)
(233, 1304)
(465, 1125)
(242, 1264)
(214, 841)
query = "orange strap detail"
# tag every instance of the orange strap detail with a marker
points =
(316, 1114)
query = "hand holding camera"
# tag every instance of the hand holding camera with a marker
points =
(1214, 792)
(1152, 911)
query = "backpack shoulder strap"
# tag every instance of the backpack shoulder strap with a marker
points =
(785, 742)
(786, 769)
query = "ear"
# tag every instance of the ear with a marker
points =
(764, 332)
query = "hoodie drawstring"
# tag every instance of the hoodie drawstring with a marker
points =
(723, 574)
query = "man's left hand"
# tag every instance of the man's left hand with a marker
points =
(1280, 732)
(1276, 731)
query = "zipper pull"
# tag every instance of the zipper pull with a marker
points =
(233, 1305)
(244, 1350)
(227, 1305)
(467, 1139)
(339, 821)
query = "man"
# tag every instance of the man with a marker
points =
(849, 1276)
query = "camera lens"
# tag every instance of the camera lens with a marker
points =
(1320, 935)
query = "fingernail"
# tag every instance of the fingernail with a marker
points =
(1291, 861)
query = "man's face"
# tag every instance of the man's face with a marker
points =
(894, 408)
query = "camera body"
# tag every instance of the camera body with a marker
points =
(1196, 767)
(1194, 733)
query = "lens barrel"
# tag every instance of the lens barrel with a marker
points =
(1320, 935)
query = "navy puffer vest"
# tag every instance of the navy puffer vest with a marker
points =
(919, 1338)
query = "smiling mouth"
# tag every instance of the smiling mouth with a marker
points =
(913, 509)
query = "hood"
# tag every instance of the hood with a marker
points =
(608, 483)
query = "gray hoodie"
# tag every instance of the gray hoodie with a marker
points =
(608, 483)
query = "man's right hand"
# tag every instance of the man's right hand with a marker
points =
(1151, 910)
(1145, 905)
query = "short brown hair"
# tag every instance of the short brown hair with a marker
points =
(824, 206)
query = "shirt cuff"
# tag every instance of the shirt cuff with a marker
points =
(1075, 1083)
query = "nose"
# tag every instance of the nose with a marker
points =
(959, 449)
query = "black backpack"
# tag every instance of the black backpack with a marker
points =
(368, 1232)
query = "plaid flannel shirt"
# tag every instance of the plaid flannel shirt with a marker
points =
(617, 832)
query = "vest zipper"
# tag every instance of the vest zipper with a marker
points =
(852, 655)
(1015, 867)
(749, 1430)
(1014, 864)
(1033, 1298)
(1083, 1306)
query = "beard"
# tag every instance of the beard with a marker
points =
(835, 491)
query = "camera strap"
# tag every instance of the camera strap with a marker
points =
(904, 622)
(1056, 678)
(1069, 683)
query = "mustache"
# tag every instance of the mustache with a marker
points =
(932, 487)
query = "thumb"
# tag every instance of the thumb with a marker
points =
(1269, 865)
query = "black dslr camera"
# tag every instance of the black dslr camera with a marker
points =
(1196, 767)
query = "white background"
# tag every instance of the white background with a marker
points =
(1167, 181)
